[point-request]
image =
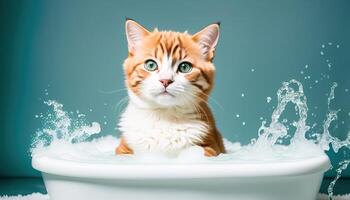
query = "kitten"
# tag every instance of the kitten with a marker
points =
(169, 76)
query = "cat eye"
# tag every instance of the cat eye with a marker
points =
(185, 67)
(151, 65)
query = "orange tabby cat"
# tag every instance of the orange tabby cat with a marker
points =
(169, 76)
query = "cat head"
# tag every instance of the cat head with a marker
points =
(166, 69)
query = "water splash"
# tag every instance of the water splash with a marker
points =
(326, 138)
(276, 129)
(59, 125)
(342, 166)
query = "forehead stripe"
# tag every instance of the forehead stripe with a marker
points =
(176, 48)
(180, 54)
(169, 48)
(156, 52)
(162, 48)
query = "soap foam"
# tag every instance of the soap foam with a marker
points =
(65, 137)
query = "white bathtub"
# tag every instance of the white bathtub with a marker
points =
(295, 180)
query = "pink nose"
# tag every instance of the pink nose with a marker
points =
(166, 82)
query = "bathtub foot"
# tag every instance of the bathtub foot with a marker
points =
(123, 148)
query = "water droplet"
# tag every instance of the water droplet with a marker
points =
(346, 90)
(237, 115)
(46, 92)
(243, 123)
(90, 109)
(338, 46)
(322, 53)
(308, 77)
(316, 81)
(323, 46)
(306, 66)
(261, 118)
(104, 123)
(242, 95)
(253, 70)
(36, 116)
(301, 72)
(268, 99)
(330, 43)
(105, 104)
(327, 60)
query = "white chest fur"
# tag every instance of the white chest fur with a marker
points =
(157, 130)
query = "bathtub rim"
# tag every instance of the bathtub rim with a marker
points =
(55, 166)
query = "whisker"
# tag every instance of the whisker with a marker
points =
(215, 101)
(112, 91)
(197, 108)
(210, 98)
(121, 103)
(188, 93)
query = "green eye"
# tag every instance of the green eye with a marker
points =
(185, 67)
(151, 65)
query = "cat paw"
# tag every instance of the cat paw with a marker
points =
(210, 152)
(123, 148)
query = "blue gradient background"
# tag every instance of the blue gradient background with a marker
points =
(75, 50)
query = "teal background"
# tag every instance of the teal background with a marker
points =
(75, 49)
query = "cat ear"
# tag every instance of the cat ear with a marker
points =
(207, 39)
(134, 33)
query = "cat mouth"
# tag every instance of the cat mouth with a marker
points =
(165, 93)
